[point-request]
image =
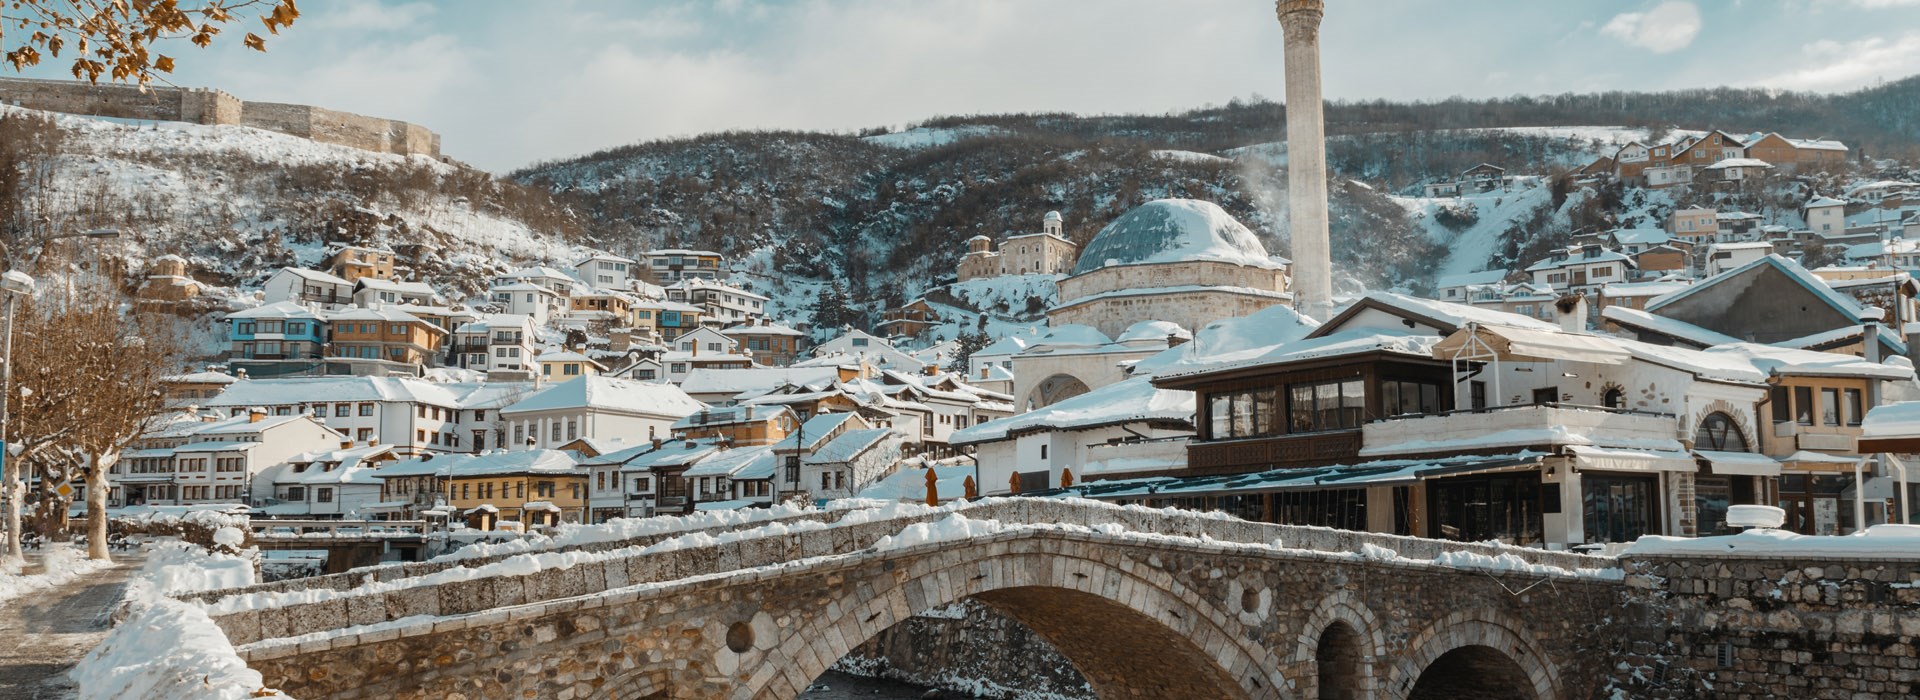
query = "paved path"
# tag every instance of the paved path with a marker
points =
(43, 635)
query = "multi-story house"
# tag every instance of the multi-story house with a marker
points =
(737, 426)
(530, 487)
(670, 265)
(1721, 257)
(215, 462)
(662, 321)
(1695, 225)
(526, 299)
(376, 291)
(562, 365)
(414, 416)
(310, 287)
(1825, 215)
(599, 408)
(650, 477)
(277, 339)
(553, 280)
(606, 271)
(1581, 268)
(769, 343)
(354, 263)
(1795, 154)
(382, 341)
(613, 308)
(721, 304)
(497, 343)
(326, 484)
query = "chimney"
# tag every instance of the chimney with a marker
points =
(657, 442)
(1573, 312)
(256, 414)
(930, 370)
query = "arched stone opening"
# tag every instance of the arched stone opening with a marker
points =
(1055, 389)
(1473, 672)
(1128, 635)
(1337, 663)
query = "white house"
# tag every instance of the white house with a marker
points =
(414, 416)
(850, 462)
(310, 287)
(216, 462)
(496, 343)
(598, 408)
(1825, 215)
(1722, 257)
(1581, 268)
(526, 299)
(1456, 288)
(560, 366)
(721, 304)
(605, 271)
(324, 484)
(371, 291)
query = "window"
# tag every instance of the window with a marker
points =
(1852, 407)
(1613, 398)
(1546, 395)
(323, 495)
(1829, 406)
(366, 434)
(1335, 405)
(793, 469)
(366, 409)
(342, 410)
(519, 433)
(678, 368)
(479, 415)
(1803, 405)
(1718, 432)
(556, 431)
(296, 493)
(1043, 451)
(1399, 398)
(243, 327)
(573, 429)
(1782, 405)
(1239, 414)
(859, 342)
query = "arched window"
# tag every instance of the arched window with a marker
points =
(1719, 432)
(1614, 398)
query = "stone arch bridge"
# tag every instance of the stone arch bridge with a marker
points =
(1145, 603)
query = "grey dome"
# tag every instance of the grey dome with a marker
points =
(1173, 230)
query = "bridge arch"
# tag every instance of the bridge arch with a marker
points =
(1481, 644)
(1342, 642)
(1129, 627)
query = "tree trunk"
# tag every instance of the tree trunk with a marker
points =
(97, 505)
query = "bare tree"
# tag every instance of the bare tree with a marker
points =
(88, 370)
(117, 39)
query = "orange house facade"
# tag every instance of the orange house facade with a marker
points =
(384, 341)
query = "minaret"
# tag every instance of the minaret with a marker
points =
(1306, 159)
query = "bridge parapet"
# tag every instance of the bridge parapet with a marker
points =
(250, 615)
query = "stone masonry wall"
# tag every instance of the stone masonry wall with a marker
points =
(1735, 628)
(197, 106)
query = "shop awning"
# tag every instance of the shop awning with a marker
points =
(1629, 459)
(1739, 463)
(383, 507)
(1810, 461)
(1508, 344)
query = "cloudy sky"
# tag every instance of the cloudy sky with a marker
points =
(508, 82)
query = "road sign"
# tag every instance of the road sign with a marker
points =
(65, 489)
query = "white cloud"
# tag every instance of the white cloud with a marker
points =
(1835, 65)
(1666, 28)
(364, 15)
(1878, 4)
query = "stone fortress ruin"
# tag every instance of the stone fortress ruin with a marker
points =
(207, 106)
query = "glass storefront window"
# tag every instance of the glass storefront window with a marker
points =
(1618, 508)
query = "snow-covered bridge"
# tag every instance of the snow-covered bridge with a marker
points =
(1146, 603)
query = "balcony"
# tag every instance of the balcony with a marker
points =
(1263, 453)
(1508, 428)
(1789, 437)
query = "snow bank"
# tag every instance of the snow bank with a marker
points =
(59, 564)
(621, 529)
(1879, 541)
(167, 648)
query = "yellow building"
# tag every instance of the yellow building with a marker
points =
(353, 262)
(531, 487)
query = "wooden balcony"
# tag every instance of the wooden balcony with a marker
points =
(1260, 454)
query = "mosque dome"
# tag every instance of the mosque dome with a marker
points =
(1174, 230)
(1053, 216)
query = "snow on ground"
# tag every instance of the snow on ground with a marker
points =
(1190, 156)
(929, 137)
(59, 564)
(167, 648)
(1013, 305)
(1469, 249)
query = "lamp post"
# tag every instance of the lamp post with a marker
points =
(13, 284)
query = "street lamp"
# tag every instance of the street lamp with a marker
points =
(14, 284)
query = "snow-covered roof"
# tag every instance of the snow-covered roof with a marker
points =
(1349, 342)
(1739, 163)
(1131, 400)
(1006, 345)
(204, 377)
(382, 316)
(741, 463)
(1071, 335)
(1817, 144)
(1623, 290)
(848, 445)
(497, 462)
(815, 430)
(609, 394)
(761, 329)
(491, 321)
(418, 288)
(681, 251)
(313, 275)
(278, 310)
(1448, 315)
(1699, 363)
(1778, 360)
(728, 415)
(1672, 328)
(1569, 258)
(1901, 419)
(911, 484)
(1825, 202)
(1153, 331)
(568, 356)
(1842, 303)
(1173, 230)
(735, 381)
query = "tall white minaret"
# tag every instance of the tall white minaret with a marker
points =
(1306, 159)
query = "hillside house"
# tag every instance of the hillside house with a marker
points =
(1721, 257)
(498, 343)
(600, 408)
(564, 365)
(1795, 155)
(1695, 225)
(1581, 268)
(281, 338)
(1825, 215)
(721, 304)
(769, 343)
(382, 342)
(1485, 177)
(167, 281)
(197, 462)
(606, 271)
(380, 292)
(327, 484)
(1457, 288)
(737, 426)
(526, 299)
(671, 265)
(531, 487)
(313, 288)
(355, 262)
